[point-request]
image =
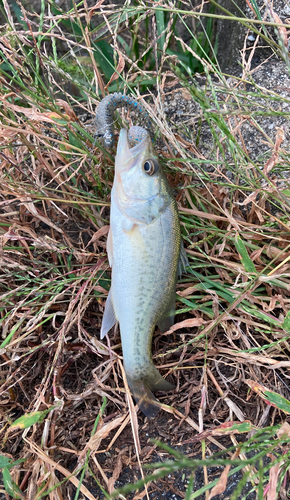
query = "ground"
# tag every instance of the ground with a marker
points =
(231, 328)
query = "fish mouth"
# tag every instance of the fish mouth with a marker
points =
(126, 153)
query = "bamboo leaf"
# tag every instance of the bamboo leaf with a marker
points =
(29, 419)
(270, 397)
(10, 486)
(246, 261)
(4, 461)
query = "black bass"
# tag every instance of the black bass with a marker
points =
(144, 250)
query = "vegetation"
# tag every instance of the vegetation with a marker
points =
(65, 406)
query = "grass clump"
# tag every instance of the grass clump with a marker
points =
(65, 411)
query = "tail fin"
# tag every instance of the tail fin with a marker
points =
(142, 392)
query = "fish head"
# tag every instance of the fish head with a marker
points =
(140, 186)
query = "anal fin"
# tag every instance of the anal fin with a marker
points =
(167, 319)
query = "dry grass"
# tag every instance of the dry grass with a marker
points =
(228, 353)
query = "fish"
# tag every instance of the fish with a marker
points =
(146, 253)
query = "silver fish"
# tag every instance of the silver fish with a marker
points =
(145, 253)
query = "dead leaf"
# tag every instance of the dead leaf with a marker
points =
(188, 145)
(224, 429)
(134, 421)
(141, 495)
(45, 458)
(280, 136)
(270, 163)
(32, 485)
(33, 113)
(235, 409)
(282, 30)
(187, 291)
(98, 234)
(101, 471)
(190, 421)
(133, 413)
(69, 111)
(117, 470)
(232, 220)
(273, 480)
(284, 430)
(187, 323)
(55, 493)
(119, 431)
(222, 483)
(7, 134)
(29, 205)
(119, 69)
(276, 253)
(95, 7)
(95, 441)
(185, 94)
(250, 198)
(171, 83)
(255, 359)
(203, 215)
(255, 255)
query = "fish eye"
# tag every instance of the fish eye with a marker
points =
(150, 167)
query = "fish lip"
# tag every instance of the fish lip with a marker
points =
(125, 153)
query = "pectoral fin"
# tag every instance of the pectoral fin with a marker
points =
(109, 318)
(110, 247)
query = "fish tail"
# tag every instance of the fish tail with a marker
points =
(142, 388)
